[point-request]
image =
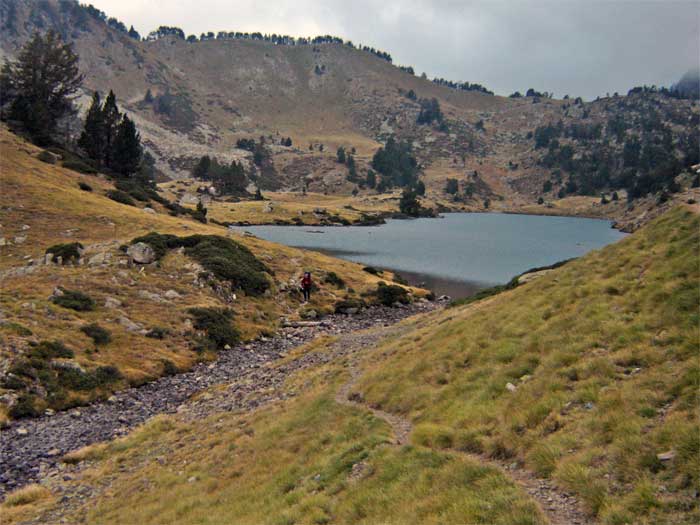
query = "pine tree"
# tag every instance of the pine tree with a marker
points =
(341, 155)
(371, 179)
(110, 121)
(127, 148)
(92, 139)
(40, 84)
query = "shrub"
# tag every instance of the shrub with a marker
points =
(398, 278)
(17, 328)
(120, 197)
(68, 251)
(342, 306)
(79, 166)
(50, 349)
(216, 323)
(169, 368)
(84, 186)
(372, 270)
(99, 335)
(157, 332)
(106, 374)
(224, 258)
(24, 407)
(75, 300)
(46, 156)
(135, 190)
(334, 279)
(388, 294)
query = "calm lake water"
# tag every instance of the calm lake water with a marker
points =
(456, 254)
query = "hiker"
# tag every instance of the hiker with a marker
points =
(306, 286)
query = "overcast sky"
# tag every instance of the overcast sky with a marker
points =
(585, 48)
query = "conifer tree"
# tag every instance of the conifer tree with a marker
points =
(127, 151)
(39, 85)
(110, 121)
(92, 139)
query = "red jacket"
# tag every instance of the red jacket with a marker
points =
(306, 282)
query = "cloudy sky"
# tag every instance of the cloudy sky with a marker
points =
(577, 47)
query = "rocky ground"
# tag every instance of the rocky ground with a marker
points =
(31, 449)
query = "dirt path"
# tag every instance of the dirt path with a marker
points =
(559, 507)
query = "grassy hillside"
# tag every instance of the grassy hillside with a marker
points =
(602, 358)
(603, 354)
(43, 205)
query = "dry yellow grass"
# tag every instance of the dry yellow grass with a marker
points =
(43, 203)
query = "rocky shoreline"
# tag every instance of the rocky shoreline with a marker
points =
(31, 448)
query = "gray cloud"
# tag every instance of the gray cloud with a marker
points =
(584, 48)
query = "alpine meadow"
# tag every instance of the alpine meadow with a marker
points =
(252, 276)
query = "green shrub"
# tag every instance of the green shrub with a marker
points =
(13, 383)
(169, 368)
(50, 349)
(99, 335)
(372, 270)
(69, 251)
(47, 157)
(388, 294)
(75, 300)
(24, 407)
(216, 323)
(398, 278)
(334, 279)
(79, 166)
(120, 197)
(106, 374)
(343, 305)
(134, 190)
(17, 328)
(157, 332)
(84, 186)
(222, 257)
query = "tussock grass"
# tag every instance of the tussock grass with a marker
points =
(307, 461)
(25, 495)
(603, 353)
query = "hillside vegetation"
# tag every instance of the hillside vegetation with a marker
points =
(601, 356)
(144, 324)
(201, 97)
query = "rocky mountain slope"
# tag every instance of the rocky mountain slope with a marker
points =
(195, 98)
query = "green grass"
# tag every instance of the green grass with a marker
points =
(598, 349)
(309, 461)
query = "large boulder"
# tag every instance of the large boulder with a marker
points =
(141, 253)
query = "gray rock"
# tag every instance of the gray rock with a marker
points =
(666, 456)
(130, 325)
(149, 210)
(141, 253)
(171, 294)
(111, 302)
(511, 387)
(20, 239)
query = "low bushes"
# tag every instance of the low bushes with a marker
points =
(120, 197)
(224, 258)
(345, 306)
(334, 279)
(388, 294)
(217, 327)
(68, 252)
(79, 166)
(74, 300)
(84, 186)
(372, 270)
(99, 335)
(50, 350)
